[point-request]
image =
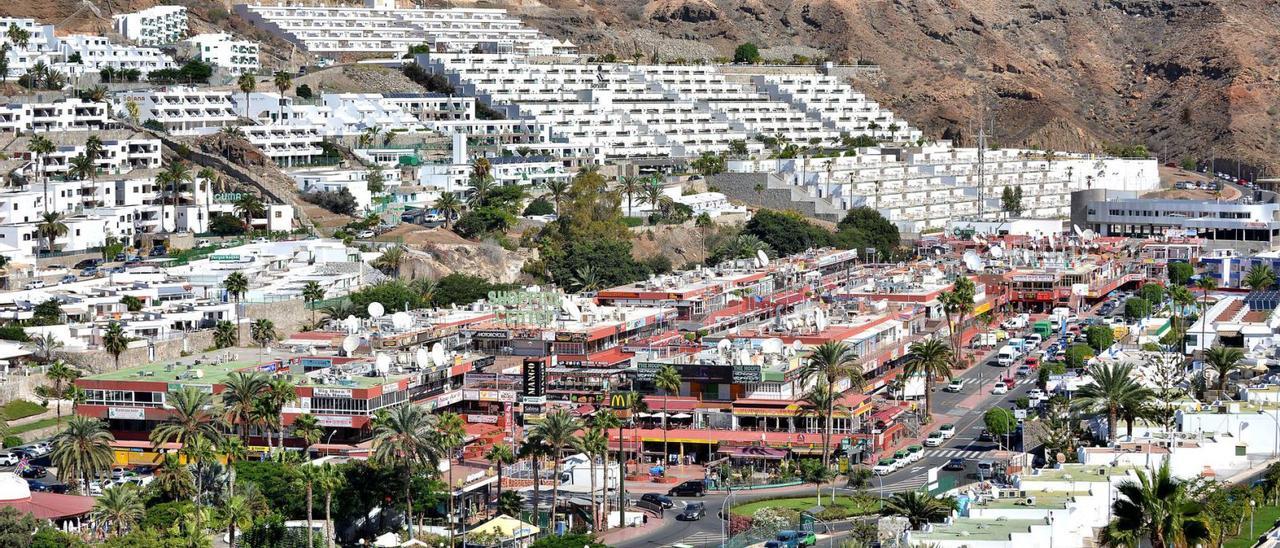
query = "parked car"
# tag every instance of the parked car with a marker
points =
(915, 453)
(34, 472)
(1036, 394)
(42, 487)
(69, 278)
(87, 263)
(694, 511)
(43, 447)
(935, 439)
(1024, 370)
(691, 488)
(999, 388)
(89, 272)
(984, 435)
(158, 251)
(34, 284)
(954, 465)
(947, 430)
(365, 234)
(661, 500)
(792, 539)
(8, 458)
(203, 242)
(956, 386)
(884, 467)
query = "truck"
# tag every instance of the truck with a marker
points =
(985, 340)
(1018, 343)
(1007, 355)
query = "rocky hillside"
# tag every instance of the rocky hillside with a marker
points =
(1185, 77)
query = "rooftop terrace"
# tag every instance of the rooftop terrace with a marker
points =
(180, 373)
(977, 530)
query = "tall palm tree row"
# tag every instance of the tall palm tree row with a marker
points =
(40, 147)
(830, 363)
(501, 455)
(405, 437)
(667, 380)
(189, 420)
(558, 431)
(932, 359)
(1156, 511)
(1111, 390)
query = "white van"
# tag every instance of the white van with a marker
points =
(1006, 356)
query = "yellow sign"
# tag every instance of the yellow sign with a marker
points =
(621, 400)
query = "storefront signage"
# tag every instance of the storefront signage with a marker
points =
(527, 307)
(334, 421)
(227, 258)
(131, 413)
(492, 334)
(534, 372)
(1035, 278)
(390, 388)
(646, 371)
(331, 392)
(316, 363)
(482, 419)
(746, 373)
(569, 336)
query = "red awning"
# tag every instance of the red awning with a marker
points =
(52, 505)
(608, 357)
(755, 452)
(673, 403)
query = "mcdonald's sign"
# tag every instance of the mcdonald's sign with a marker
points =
(621, 400)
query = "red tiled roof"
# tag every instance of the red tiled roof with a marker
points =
(52, 505)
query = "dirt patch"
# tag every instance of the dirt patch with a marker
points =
(417, 236)
(359, 79)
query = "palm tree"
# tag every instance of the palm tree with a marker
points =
(82, 451)
(1155, 511)
(1260, 277)
(238, 513)
(1224, 360)
(233, 449)
(51, 227)
(606, 420)
(210, 178)
(481, 187)
(1111, 389)
(280, 393)
(586, 279)
(1181, 298)
(247, 84)
(668, 380)
(813, 471)
(932, 359)
(830, 363)
(535, 450)
(510, 503)
(329, 481)
(117, 510)
(239, 396)
(594, 444)
(311, 294)
(500, 454)
(820, 403)
(389, 261)
(282, 82)
(224, 334)
(307, 477)
(172, 180)
(630, 186)
(919, 508)
(115, 342)
(405, 437)
(307, 427)
(449, 434)
(60, 373)
(81, 167)
(448, 206)
(46, 344)
(236, 284)
(957, 304)
(558, 431)
(481, 168)
(339, 311)
(174, 479)
(263, 332)
(652, 193)
(1207, 284)
(558, 188)
(248, 207)
(190, 419)
(40, 146)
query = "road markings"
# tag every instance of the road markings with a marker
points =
(701, 539)
(952, 453)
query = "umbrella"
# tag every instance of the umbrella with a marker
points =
(682, 416)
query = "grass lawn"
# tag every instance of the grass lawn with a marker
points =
(20, 409)
(803, 503)
(42, 423)
(1263, 518)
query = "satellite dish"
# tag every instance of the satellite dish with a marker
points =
(1076, 229)
(723, 345)
(352, 324)
(772, 346)
(822, 320)
(996, 252)
(972, 261)
(744, 357)
(756, 261)
(401, 320)
(764, 258)
(572, 310)
(376, 310)
(382, 363)
(350, 343)
(797, 345)
(422, 358)
(437, 353)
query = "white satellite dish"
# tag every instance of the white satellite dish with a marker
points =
(723, 345)
(401, 320)
(382, 363)
(437, 353)
(797, 345)
(772, 346)
(376, 310)
(572, 310)
(972, 261)
(996, 252)
(352, 324)
(764, 258)
(822, 320)
(1076, 229)
(744, 357)
(422, 358)
(350, 343)
(756, 261)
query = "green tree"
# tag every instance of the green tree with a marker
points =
(448, 206)
(1155, 510)
(51, 227)
(249, 207)
(40, 148)
(189, 419)
(557, 430)
(16, 527)
(283, 81)
(594, 443)
(1077, 355)
(263, 332)
(830, 363)
(118, 510)
(931, 359)
(393, 295)
(239, 396)
(709, 164)
(668, 380)
(1260, 277)
(1011, 202)
(131, 303)
(224, 334)
(312, 293)
(1100, 337)
(919, 508)
(237, 513)
(1153, 293)
(815, 472)
(999, 422)
(307, 427)
(115, 341)
(1180, 273)
(405, 438)
(61, 375)
(1136, 308)
(1112, 388)
(864, 227)
(786, 232)
(501, 455)
(329, 481)
(82, 451)
(1223, 360)
(173, 479)
(746, 53)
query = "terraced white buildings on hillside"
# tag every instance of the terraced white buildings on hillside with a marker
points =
(75, 55)
(69, 114)
(223, 50)
(153, 26)
(381, 27)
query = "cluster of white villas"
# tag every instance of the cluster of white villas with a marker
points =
(222, 50)
(595, 112)
(921, 187)
(380, 27)
(57, 52)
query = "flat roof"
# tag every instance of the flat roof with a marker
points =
(168, 371)
(970, 530)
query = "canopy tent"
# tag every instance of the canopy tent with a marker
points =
(506, 527)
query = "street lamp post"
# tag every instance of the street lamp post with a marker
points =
(1252, 504)
(725, 522)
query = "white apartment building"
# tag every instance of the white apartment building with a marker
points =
(922, 188)
(380, 27)
(181, 110)
(153, 26)
(287, 145)
(41, 46)
(355, 181)
(433, 106)
(224, 51)
(98, 52)
(71, 114)
(352, 113)
(837, 105)
(118, 156)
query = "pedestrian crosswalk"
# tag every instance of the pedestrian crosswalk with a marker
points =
(952, 453)
(911, 482)
(702, 539)
(971, 382)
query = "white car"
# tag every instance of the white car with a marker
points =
(9, 459)
(935, 439)
(1035, 394)
(1000, 388)
(884, 467)
(37, 284)
(365, 234)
